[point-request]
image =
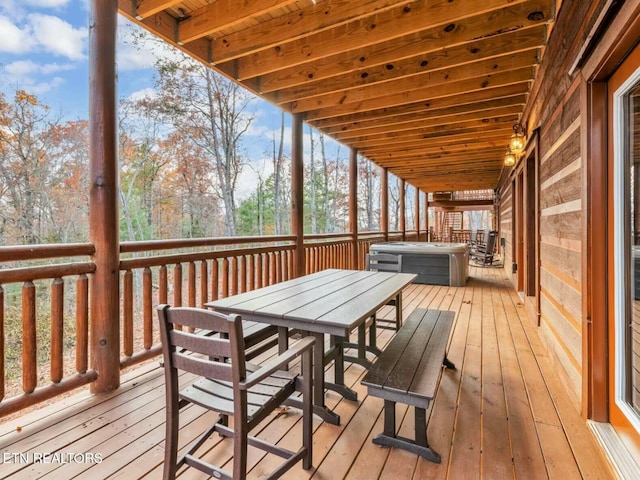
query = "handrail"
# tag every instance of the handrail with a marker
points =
(149, 245)
(14, 253)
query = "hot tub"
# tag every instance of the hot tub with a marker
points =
(435, 263)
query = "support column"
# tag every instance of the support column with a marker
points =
(384, 203)
(353, 206)
(426, 214)
(103, 197)
(416, 212)
(403, 223)
(297, 194)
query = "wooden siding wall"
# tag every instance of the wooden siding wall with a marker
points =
(555, 107)
(506, 224)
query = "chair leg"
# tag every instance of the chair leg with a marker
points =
(171, 442)
(240, 444)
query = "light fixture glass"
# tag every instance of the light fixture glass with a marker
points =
(517, 142)
(510, 158)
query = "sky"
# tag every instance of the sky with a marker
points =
(44, 50)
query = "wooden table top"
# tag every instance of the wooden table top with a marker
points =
(331, 301)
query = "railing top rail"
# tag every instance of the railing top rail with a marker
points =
(15, 275)
(149, 245)
(14, 253)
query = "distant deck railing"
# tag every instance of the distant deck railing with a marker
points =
(45, 311)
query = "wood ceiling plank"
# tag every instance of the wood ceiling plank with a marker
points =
(398, 22)
(469, 30)
(523, 75)
(464, 102)
(516, 103)
(432, 62)
(434, 136)
(419, 142)
(437, 80)
(423, 147)
(443, 161)
(315, 17)
(223, 14)
(497, 143)
(481, 117)
(145, 8)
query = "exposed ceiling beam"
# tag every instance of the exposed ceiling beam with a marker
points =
(145, 8)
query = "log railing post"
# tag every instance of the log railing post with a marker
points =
(297, 195)
(353, 206)
(426, 214)
(416, 212)
(384, 203)
(103, 196)
(401, 195)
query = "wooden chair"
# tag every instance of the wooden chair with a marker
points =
(484, 251)
(229, 387)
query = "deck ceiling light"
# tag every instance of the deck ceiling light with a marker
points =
(517, 142)
(510, 158)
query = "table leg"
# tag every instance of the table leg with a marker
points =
(319, 407)
(338, 369)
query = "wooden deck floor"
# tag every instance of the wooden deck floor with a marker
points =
(502, 414)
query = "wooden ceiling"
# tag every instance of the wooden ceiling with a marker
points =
(429, 89)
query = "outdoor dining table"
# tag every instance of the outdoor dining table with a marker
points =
(330, 302)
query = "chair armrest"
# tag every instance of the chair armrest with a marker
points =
(271, 366)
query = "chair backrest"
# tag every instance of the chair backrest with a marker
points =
(384, 262)
(492, 236)
(201, 354)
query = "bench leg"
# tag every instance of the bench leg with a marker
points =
(448, 364)
(419, 446)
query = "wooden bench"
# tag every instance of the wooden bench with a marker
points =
(409, 371)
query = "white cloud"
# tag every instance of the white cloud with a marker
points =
(57, 36)
(14, 39)
(149, 93)
(25, 68)
(46, 3)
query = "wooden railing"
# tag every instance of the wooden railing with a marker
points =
(24, 292)
(36, 291)
(191, 278)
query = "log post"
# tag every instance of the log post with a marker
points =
(416, 212)
(353, 206)
(384, 203)
(297, 195)
(403, 224)
(426, 214)
(103, 196)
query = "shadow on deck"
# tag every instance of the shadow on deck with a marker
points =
(502, 414)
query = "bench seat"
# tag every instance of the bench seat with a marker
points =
(409, 371)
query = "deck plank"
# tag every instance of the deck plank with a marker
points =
(502, 414)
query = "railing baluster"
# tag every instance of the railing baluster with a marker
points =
(191, 284)
(265, 270)
(243, 274)
(225, 277)
(204, 283)
(214, 279)
(177, 285)
(251, 270)
(272, 269)
(57, 329)
(1, 342)
(82, 323)
(127, 312)
(278, 267)
(29, 349)
(259, 270)
(163, 285)
(234, 276)
(147, 302)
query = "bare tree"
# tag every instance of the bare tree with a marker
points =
(277, 176)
